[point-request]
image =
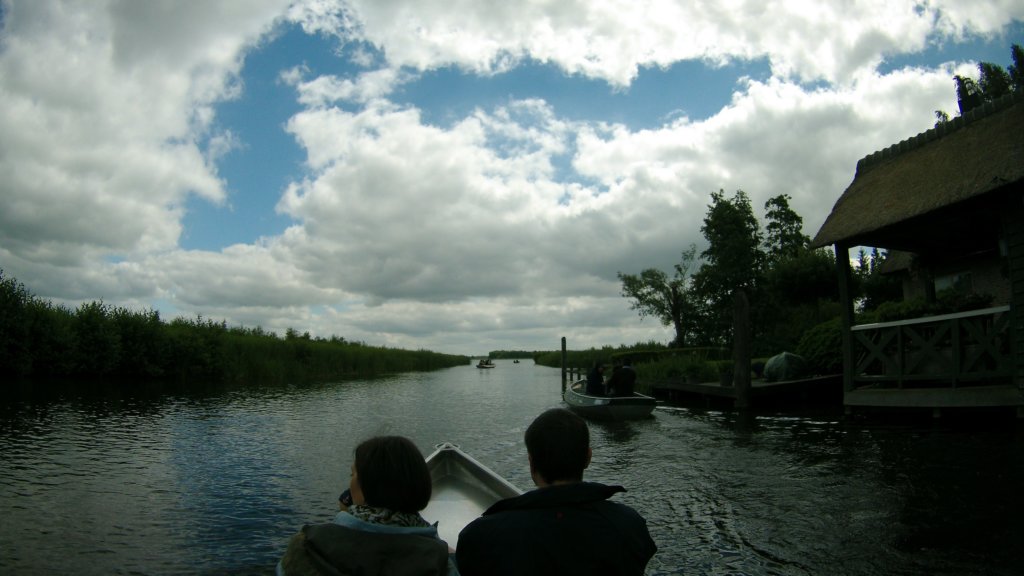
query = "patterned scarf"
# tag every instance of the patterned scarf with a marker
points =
(387, 517)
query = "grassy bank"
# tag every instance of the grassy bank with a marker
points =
(653, 362)
(40, 340)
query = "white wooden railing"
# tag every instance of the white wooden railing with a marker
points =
(935, 351)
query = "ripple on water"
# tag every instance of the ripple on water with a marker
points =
(216, 483)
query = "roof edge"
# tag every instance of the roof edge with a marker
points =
(939, 131)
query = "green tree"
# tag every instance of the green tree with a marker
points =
(655, 294)
(1017, 68)
(968, 94)
(791, 290)
(800, 291)
(784, 230)
(15, 354)
(875, 287)
(732, 261)
(142, 347)
(993, 82)
(733, 256)
(863, 267)
(807, 276)
(98, 349)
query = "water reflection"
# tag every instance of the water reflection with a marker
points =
(616, 432)
(172, 481)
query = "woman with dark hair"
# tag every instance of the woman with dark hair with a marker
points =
(379, 529)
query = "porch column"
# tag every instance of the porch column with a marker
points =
(1013, 224)
(846, 314)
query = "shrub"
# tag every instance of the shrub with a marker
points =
(822, 347)
(946, 302)
(99, 343)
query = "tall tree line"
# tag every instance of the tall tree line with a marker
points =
(789, 286)
(993, 83)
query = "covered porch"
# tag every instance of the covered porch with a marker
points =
(946, 361)
(953, 199)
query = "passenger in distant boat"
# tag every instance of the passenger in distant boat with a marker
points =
(595, 380)
(379, 529)
(566, 526)
(623, 380)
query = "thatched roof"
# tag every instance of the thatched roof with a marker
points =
(957, 161)
(896, 261)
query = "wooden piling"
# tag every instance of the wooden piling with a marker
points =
(565, 357)
(741, 347)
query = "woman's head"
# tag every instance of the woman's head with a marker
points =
(389, 472)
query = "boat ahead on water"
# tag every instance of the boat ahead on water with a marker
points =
(607, 407)
(485, 363)
(462, 489)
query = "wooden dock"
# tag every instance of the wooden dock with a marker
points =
(818, 390)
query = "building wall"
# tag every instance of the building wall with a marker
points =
(1013, 224)
(980, 274)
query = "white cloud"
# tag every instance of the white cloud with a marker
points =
(611, 39)
(503, 229)
(104, 103)
(406, 210)
(958, 19)
(324, 91)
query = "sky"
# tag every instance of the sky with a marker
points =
(460, 175)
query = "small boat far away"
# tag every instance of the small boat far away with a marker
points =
(462, 490)
(485, 363)
(607, 407)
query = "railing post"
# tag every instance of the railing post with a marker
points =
(901, 358)
(565, 357)
(954, 340)
(935, 349)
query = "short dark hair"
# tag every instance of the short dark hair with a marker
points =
(393, 474)
(558, 441)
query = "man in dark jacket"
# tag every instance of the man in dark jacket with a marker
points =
(566, 526)
(623, 380)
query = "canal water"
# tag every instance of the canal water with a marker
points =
(172, 482)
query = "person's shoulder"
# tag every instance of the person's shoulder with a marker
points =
(504, 521)
(490, 517)
(296, 561)
(624, 508)
(344, 547)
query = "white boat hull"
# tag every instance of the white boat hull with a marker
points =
(607, 407)
(462, 489)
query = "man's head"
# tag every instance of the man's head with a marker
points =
(558, 443)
